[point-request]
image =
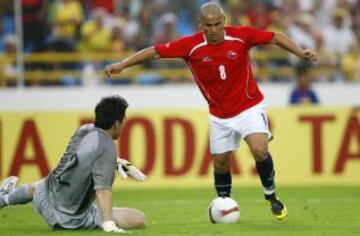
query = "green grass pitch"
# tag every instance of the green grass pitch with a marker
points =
(312, 211)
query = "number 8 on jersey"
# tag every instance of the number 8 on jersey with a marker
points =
(222, 72)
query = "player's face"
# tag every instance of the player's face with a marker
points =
(117, 129)
(213, 28)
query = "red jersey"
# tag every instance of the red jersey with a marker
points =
(222, 71)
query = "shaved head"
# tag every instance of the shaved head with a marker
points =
(211, 21)
(211, 10)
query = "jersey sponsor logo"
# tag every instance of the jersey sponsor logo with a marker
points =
(207, 59)
(232, 55)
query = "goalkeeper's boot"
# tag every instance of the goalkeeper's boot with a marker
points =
(277, 207)
(8, 185)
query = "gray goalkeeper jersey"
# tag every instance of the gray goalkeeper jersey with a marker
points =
(89, 163)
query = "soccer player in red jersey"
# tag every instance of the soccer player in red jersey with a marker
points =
(218, 57)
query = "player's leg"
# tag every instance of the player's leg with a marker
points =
(222, 173)
(223, 141)
(20, 195)
(258, 144)
(254, 128)
(129, 218)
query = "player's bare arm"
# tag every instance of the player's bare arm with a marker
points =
(104, 202)
(285, 42)
(143, 55)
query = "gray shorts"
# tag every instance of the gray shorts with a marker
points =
(90, 219)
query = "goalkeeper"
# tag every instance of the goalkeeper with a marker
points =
(85, 172)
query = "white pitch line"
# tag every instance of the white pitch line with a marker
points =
(173, 202)
(257, 200)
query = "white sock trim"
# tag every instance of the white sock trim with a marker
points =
(269, 191)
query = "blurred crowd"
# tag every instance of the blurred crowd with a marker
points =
(332, 27)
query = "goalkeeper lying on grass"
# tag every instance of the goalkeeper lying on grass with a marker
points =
(85, 172)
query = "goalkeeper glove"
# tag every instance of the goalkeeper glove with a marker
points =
(125, 168)
(110, 227)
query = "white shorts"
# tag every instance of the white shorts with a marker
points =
(225, 134)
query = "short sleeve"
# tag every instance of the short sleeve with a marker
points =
(175, 49)
(253, 36)
(104, 167)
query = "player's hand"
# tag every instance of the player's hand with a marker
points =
(309, 55)
(113, 69)
(125, 168)
(110, 227)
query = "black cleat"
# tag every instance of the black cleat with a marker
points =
(277, 207)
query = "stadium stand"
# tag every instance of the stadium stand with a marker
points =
(66, 40)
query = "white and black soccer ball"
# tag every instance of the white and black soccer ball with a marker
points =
(224, 210)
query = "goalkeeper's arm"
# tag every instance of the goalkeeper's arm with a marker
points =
(104, 202)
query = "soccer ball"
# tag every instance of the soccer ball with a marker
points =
(224, 210)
